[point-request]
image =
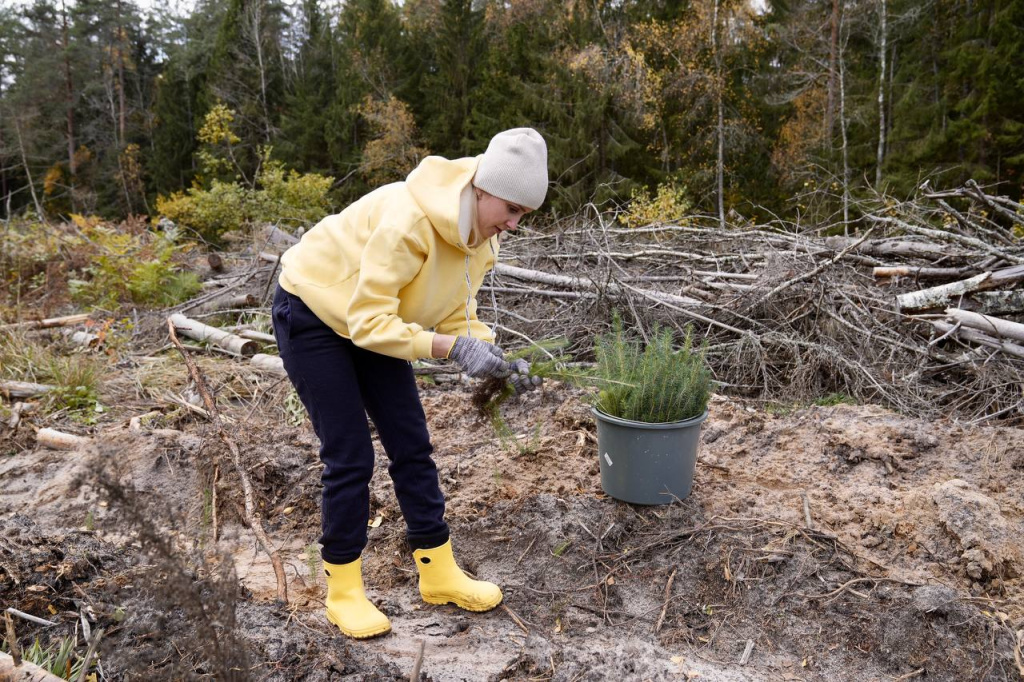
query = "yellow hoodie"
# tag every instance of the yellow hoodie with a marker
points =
(392, 265)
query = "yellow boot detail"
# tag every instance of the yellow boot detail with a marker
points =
(443, 582)
(347, 605)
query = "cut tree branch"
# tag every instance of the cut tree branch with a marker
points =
(252, 515)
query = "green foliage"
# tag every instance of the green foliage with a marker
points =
(210, 212)
(135, 267)
(654, 383)
(280, 196)
(670, 202)
(626, 94)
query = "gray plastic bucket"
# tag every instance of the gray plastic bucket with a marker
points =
(647, 463)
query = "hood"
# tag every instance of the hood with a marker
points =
(436, 185)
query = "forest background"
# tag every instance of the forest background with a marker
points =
(789, 109)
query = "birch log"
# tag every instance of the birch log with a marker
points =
(940, 296)
(919, 273)
(257, 336)
(276, 235)
(884, 249)
(23, 389)
(58, 440)
(268, 363)
(81, 338)
(995, 302)
(228, 303)
(48, 323)
(201, 332)
(990, 325)
(975, 336)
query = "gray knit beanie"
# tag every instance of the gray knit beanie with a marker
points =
(515, 167)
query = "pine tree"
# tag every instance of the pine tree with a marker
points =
(303, 143)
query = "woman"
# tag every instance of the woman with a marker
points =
(356, 299)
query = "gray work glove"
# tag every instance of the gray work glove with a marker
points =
(479, 358)
(521, 380)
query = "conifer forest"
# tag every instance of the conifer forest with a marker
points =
(791, 229)
(776, 108)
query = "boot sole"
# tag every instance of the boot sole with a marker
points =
(361, 635)
(476, 608)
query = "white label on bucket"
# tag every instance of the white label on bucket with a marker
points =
(607, 459)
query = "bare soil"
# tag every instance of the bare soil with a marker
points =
(820, 543)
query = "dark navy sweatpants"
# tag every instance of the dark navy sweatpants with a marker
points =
(340, 384)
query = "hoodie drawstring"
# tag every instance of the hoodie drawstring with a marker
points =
(469, 290)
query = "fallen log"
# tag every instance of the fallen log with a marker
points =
(48, 323)
(942, 295)
(58, 440)
(257, 336)
(81, 338)
(268, 363)
(951, 236)
(227, 303)
(987, 324)
(886, 249)
(276, 235)
(975, 336)
(995, 302)
(919, 272)
(23, 389)
(201, 332)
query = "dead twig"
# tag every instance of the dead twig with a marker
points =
(93, 645)
(29, 617)
(12, 639)
(515, 619)
(415, 676)
(252, 516)
(664, 607)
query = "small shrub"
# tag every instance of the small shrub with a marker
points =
(222, 204)
(654, 383)
(126, 266)
(670, 202)
(210, 212)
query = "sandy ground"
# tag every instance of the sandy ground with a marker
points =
(820, 543)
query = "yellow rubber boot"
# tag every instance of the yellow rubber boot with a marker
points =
(347, 605)
(443, 582)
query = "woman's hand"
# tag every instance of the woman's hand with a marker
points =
(521, 380)
(479, 358)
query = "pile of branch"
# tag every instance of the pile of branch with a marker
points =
(791, 314)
